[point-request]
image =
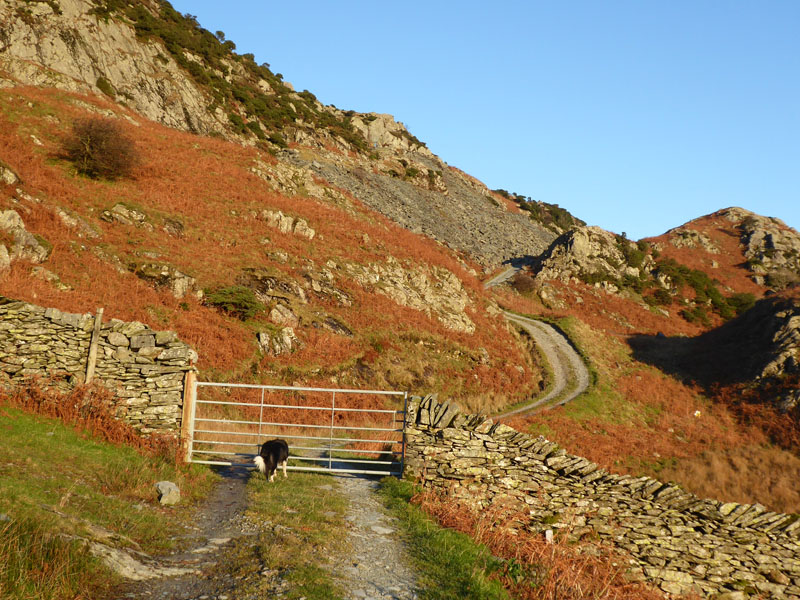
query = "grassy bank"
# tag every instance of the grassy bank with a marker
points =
(451, 565)
(59, 486)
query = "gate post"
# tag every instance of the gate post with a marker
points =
(403, 446)
(91, 362)
(187, 420)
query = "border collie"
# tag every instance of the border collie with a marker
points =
(272, 455)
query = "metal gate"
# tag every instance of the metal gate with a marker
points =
(328, 430)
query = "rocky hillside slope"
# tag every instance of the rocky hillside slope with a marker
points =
(310, 285)
(165, 67)
(705, 272)
(759, 350)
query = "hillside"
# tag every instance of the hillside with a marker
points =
(166, 68)
(693, 339)
(289, 242)
(340, 293)
(325, 246)
(289, 207)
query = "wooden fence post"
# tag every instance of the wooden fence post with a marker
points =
(187, 420)
(92, 361)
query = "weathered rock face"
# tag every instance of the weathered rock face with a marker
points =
(77, 51)
(591, 254)
(161, 275)
(283, 315)
(144, 368)
(120, 213)
(435, 291)
(683, 237)
(25, 246)
(7, 175)
(76, 223)
(771, 247)
(676, 541)
(288, 224)
(272, 287)
(382, 131)
(283, 341)
(784, 359)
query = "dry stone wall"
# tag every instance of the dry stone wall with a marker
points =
(673, 539)
(145, 369)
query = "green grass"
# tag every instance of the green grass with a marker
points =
(91, 484)
(451, 565)
(35, 564)
(301, 522)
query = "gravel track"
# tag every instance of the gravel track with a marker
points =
(570, 375)
(216, 524)
(378, 566)
(375, 567)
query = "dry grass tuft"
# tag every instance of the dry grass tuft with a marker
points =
(735, 474)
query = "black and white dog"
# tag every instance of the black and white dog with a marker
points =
(272, 455)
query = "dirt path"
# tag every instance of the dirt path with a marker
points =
(217, 523)
(378, 566)
(570, 376)
(502, 277)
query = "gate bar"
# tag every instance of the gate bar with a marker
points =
(368, 410)
(289, 388)
(353, 428)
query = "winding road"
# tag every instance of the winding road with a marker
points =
(569, 373)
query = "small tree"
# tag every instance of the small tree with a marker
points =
(523, 283)
(237, 300)
(100, 148)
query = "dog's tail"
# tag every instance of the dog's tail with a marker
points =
(260, 464)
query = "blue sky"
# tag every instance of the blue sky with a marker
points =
(636, 116)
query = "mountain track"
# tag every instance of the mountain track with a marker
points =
(570, 375)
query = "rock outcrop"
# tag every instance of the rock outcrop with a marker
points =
(7, 175)
(684, 237)
(62, 44)
(771, 248)
(166, 276)
(288, 224)
(593, 255)
(24, 245)
(383, 131)
(762, 343)
(283, 341)
(433, 290)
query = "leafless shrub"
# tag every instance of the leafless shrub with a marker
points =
(99, 147)
(523, 283)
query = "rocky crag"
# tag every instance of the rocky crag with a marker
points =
(168, 69)
(593, 255)
(771, 248)
(767, 247)
(671, 539)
